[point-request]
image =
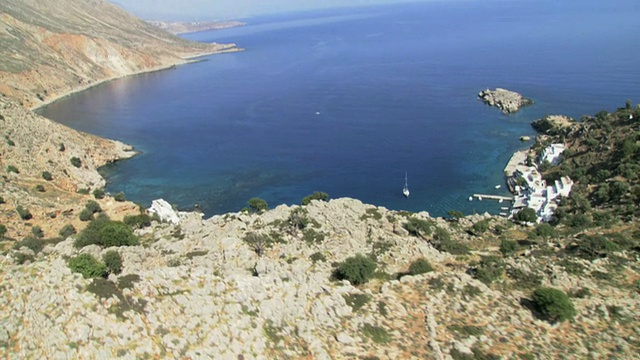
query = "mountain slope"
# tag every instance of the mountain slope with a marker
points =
(52, 47)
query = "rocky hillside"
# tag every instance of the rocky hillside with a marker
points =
(256, 286)
(49, 48)
(190, 27)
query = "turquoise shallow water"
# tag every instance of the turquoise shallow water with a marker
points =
(346, 101)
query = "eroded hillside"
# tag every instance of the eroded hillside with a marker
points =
(49, 48)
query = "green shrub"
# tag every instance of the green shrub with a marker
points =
(106, 233)
(47, 176)
(257, 242)
(317, 256)
(37, 232)
(115, 233)
(11, 142)
(98, 194)
(85, 215)
(12, 169)
(83, 191)
(489, 269)
(418, 227)
(1, 200)
(257, 205)
(545, 230)
(3, 230)
(88, 266)
(594, 246)
(554, 305)
(33, 243)
(137, 221)
(61, 147)
(356, 301)
(526, 215)
(76, 162)
(420, 266)
(119, 197)
(67, 231)
(453, 247)
(298, 218)
(93, 206)
(317, 195)
(441, 235)
(113, 262)
(376, 333)
(40, 188)
(357, 269)
(508, 247)
(480, 227)
(24, 213)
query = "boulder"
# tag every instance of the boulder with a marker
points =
(164, 211)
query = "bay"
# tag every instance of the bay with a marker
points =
(346, 101)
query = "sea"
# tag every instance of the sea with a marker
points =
(347, 101)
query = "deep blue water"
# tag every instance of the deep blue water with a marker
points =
(346, 101)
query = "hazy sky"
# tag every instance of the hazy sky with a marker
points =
(228, 9)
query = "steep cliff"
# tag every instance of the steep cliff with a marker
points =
(49, 48)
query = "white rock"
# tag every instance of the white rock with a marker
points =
(164, 211)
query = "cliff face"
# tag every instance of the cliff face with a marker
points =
(49, 48)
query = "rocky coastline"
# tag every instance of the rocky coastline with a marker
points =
(507, 101)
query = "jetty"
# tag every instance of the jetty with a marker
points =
(493, 197)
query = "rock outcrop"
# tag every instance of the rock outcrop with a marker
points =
(199, 290)
(505, 100)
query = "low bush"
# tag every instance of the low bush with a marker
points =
(93, 206)
(298, 219)
(76, 162)
(67, 231)
(88, 266)
(113, 262)
(508, 247)
(85, 215)
(489, 269)
(40, 188)
(12, 169)
(37, 231)
(317, 256)
(98, 194)
(480, 227)
(526, 215)
(418, 227)
(317, 195)
(376, 333)
(1, 200)
(23, 212)
(453, 247)
(119, 197)
(357, 269)
(593, 247)
(137, 221)
(257, 205)
(47, 176)
(3, 230)
(33, 243)
(553, 305)
(356, 301)
(420, 266)
(107, 233)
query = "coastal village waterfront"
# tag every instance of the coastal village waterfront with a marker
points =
(530, 189)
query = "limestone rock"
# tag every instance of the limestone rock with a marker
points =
(164, 211)
(505, 100)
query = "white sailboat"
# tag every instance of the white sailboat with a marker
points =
(405, 190)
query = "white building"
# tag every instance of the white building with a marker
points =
(552, 154)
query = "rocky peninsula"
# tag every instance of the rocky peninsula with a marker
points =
(507, 101)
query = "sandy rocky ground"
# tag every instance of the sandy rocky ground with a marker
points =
(195, 290)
